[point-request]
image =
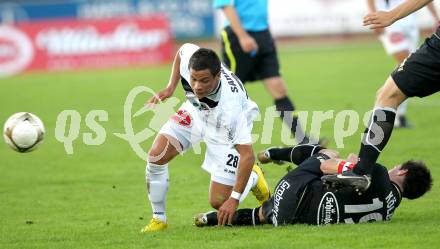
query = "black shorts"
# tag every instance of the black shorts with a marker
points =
(261, 66)
(419, 74)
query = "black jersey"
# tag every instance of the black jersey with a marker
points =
(322, 206)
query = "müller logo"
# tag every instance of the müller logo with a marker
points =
(16, 50)
(126, 37)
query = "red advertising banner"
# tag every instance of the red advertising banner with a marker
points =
(73, 44)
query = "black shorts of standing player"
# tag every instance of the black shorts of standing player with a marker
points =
(249, 66)
(419, 74)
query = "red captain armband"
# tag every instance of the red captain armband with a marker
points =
(345, 166)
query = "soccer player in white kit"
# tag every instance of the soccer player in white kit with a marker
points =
(218, 112)
(399, 41)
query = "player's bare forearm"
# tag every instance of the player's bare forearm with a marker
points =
(330, 167)
(247, 160)
(231, 14)
(227, 210)
(433, 11)
(247, 43)
(381, 19)
(353, 158)
(175, 73)
(371, 6)
(171, 86)
(337, 165)
(408, 7)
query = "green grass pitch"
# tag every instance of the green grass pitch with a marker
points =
(95, 198)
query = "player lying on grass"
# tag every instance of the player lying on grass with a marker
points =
(218, 112)
(300, 197)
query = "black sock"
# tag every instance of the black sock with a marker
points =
(295, 154)
(285, 106)
(212, 218)
(242, 217)
(373, 142)
(246, 216)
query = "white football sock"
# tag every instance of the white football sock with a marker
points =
(253, 179)
(157, 188)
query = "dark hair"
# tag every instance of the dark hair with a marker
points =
(417, 180)
(205, 59)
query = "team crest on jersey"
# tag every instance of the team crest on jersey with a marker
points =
(396, 38)
(328, 211)
(182, 117)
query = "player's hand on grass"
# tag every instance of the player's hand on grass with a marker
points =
(226, 212)
(379, 19)
(248, 43)
(160, 96)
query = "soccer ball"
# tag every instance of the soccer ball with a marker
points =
(23, 132)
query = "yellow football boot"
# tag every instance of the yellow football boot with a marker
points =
(154, 226)
(261, 189)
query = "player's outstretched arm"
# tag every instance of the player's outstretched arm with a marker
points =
(247, 160)
(371, 5)
(336, 166)
(353, 158)
(381, 19)
(172, 83)
(434, 14)
(330, 167)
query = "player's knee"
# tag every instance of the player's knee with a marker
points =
(389, 94)
(158, 156)
(383, 94)
(216, 204)
(379, 92)
(163, 150)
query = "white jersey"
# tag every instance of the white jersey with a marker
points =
(222, 119)
(228, 112)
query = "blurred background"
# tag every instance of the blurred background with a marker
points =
(53, 35)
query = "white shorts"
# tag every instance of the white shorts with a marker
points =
(400, 37)
(221, 159)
